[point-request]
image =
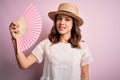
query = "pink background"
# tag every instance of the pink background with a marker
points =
(100, 31)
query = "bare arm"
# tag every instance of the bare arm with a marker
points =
(23, 61)
(84, 72)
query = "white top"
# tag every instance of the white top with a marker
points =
(61, 61)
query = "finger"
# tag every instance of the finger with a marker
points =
(12, 31)
(15, 23)
(13, 27)
(16, 31)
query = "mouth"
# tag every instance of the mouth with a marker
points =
(61, 28)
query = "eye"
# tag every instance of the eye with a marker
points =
(68, 19)
(59, 18)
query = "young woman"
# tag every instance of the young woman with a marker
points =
(65, 56)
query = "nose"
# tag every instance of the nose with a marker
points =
(62, 22)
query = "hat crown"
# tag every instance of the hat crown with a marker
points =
(68, 7)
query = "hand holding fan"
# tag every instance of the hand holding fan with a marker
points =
(30, 27)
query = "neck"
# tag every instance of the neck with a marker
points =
(64, 38)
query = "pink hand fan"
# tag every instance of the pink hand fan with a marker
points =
(30, 27)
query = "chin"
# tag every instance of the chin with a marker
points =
(61, 32)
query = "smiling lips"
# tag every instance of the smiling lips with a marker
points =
(61, 28)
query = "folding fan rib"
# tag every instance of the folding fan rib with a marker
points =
(31, 11)
(27, 43)
(21, 45)
(34, 19)
(24, 47)
(24, 44)
(33, 36)
(37, 30)
(34, 32)
(37, 23)
(36, 15)
(28, 10)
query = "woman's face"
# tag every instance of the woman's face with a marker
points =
(64, 24)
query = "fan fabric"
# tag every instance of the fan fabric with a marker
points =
(30, 27)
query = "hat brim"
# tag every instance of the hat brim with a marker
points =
(52, 16)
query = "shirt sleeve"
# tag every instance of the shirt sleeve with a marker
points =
(86, 56)
(38, 52)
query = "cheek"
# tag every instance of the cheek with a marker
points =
(70, 28)
(70, 25)
(57, 23)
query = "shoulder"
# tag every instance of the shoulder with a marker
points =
(83, 45)
(44, 42)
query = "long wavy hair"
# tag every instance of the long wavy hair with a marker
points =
(75, 38)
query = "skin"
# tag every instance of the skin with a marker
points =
(64, 25)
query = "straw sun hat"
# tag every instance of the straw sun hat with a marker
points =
(67, 9)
